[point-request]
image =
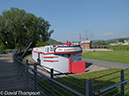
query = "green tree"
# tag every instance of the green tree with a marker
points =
(2, 47)
(122, 39)
(40, 43)
(52, 42)
(18, 26)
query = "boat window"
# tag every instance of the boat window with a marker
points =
(48, 49)
(51, 48)
(45, 49)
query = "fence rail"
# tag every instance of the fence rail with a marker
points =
(50, 84)
(111, 88)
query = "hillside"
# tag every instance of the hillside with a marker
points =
(52, 42)
(115, 39)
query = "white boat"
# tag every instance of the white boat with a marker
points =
(65, 58)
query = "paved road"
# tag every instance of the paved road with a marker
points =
(10, 79)
(106, 63)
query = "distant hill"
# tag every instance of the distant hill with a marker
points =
(96, 40)
(52, 42)
(115, 39)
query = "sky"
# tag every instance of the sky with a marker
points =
(96, 19)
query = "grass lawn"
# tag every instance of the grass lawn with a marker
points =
(105, 78)
(113, 56)
(91, 75)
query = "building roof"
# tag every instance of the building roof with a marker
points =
(86, 41)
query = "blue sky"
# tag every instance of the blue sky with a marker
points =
(97, 19)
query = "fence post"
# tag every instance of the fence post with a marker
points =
(87, 88)
(27, 77)
(21, 67)
(52, 85)
(90, 87)
(122, 85)
(35, 76)
(14, 62)
(18, 65)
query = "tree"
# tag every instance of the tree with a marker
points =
(52, 42)
(17, 26)
(41, 43)
(122, 39)
(2, 47)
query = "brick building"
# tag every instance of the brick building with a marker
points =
(86, 44)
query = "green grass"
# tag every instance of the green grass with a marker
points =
(105, 78)
(87, 76)
(113, 56)
(92, 75)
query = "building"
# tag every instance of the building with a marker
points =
(86, 44)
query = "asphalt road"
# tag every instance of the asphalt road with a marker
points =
(106, 63)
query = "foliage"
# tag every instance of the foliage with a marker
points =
(116, 39)
(119, 47)
(106, 42)
(122, 39)
(2, 47)
(98, 43)
(52, 42)
(41, 43)
(17, 26)
(113, 56)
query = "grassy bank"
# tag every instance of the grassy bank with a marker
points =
(121, 56)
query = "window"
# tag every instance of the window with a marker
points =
(47, 49)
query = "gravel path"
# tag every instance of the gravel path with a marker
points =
(95, 67)
(106, 63)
